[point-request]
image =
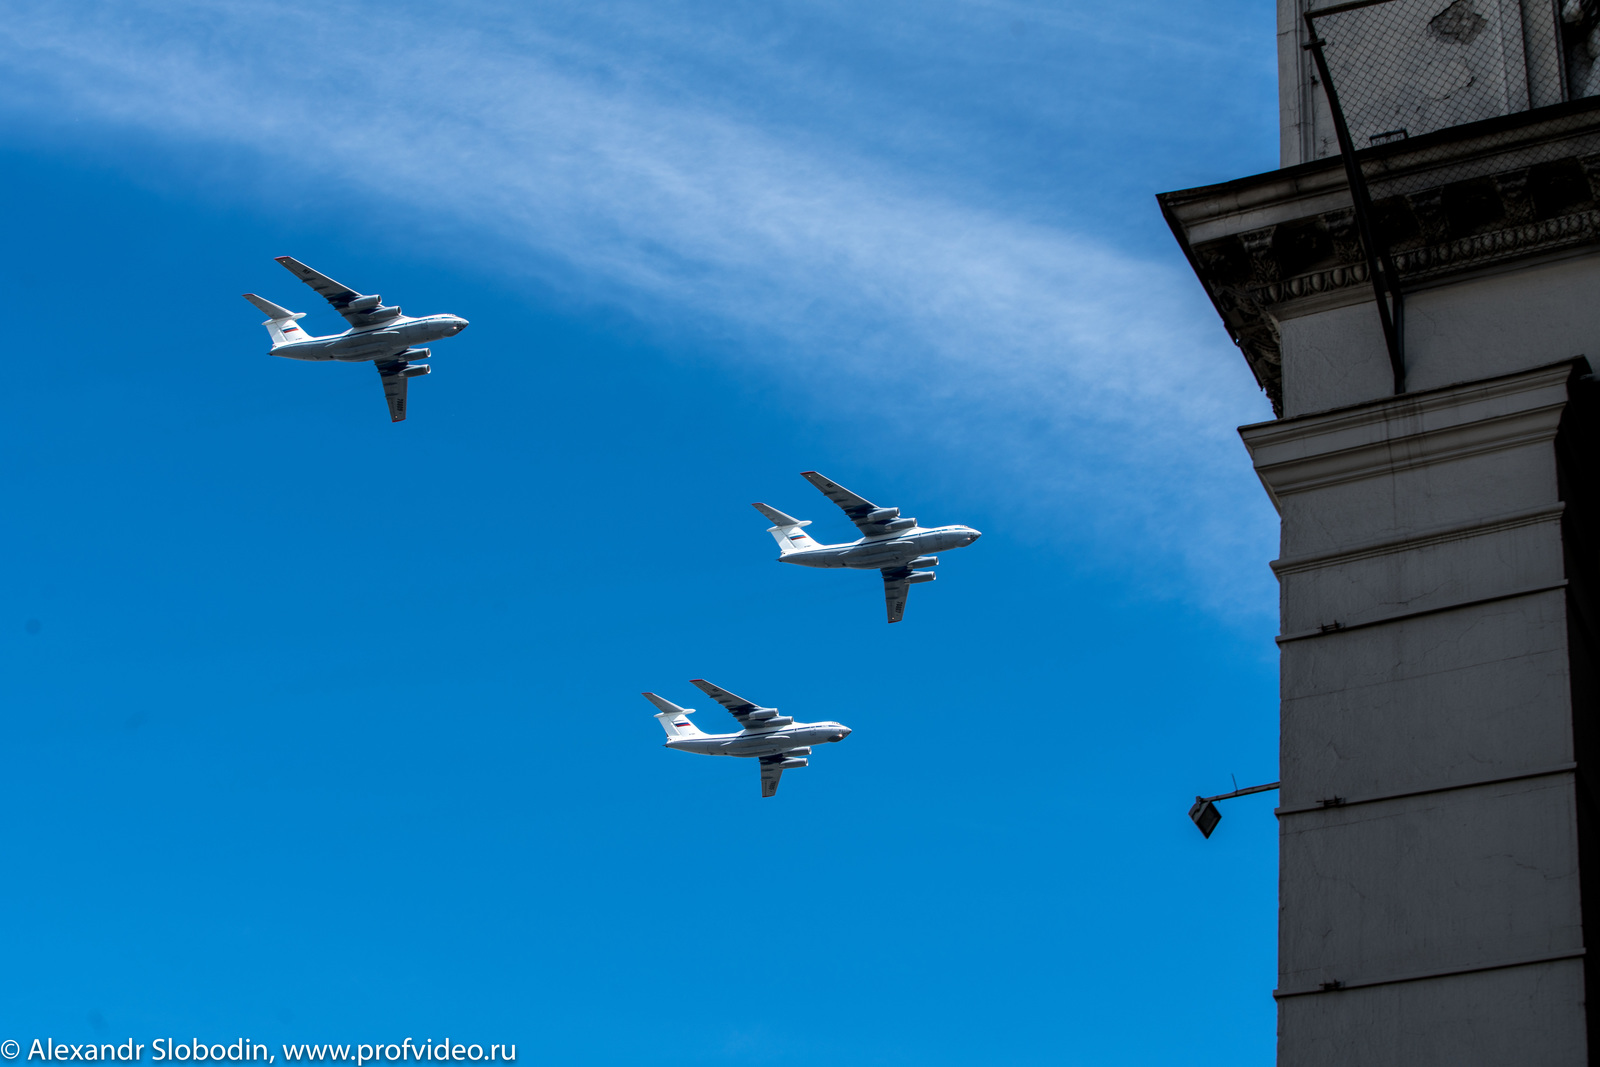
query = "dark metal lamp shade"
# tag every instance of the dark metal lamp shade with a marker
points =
(1205, 815)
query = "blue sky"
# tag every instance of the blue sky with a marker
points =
(318, 728)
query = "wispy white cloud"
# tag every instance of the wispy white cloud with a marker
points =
(604, 173)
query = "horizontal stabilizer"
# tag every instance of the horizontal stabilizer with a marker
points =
(673, 719)
(667, 706)
(778, 518)
(787, 530)
(271, 310)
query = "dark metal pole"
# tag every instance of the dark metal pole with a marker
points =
(1242, 792)
(1380, 265)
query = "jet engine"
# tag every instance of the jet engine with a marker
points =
(881, 515)
(918, 577)
(416, 353)
(364, 303)
(804, 751)
(924, 561)
(790, 764)
(896, 525)
(415, 370)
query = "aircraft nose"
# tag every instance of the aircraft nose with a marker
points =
(973, 535)
(461, 324)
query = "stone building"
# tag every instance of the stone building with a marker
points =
(1438, 819)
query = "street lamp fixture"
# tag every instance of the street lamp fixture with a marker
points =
(1205, 813)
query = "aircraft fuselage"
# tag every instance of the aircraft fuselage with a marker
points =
(891, 550)
(385, 340)
(769, 741)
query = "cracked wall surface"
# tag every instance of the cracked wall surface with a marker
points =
(1437, 558)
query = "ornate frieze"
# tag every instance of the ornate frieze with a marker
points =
(1453, 227)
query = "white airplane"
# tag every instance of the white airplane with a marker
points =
(888, 543)
(776, 740)
(381, 335)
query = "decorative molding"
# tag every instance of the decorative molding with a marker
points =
(1341, 226)
(1427, 207)
(1437, 535)
(1486, 248)
(1412, 430)
(1264, 262)
(1466, 253)
(1451, 202)
(1321, 281)
(1512, 185)
(1383, 458)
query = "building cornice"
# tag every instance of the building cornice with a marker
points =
(1431, 261)
(1312, 452)
(1280, 244)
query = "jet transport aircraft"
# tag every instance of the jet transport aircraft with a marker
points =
(776, 740)
(379, 334)
(888, 543)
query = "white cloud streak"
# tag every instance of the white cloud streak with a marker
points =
(603, 174)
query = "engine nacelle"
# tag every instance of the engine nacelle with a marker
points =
(761, 714)
(924, 561)
(881, 515)
(364, 303)
(377, 315)
(415, 370)
(805, 750)
(790, 764)
(896, 525)
(415, 353)
(918, 577)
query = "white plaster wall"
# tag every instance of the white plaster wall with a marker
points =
(1475, 328)
(1446, 881)
(1433, 866)
(1413, 499)
(1460, 696)
(1333, 359)
(1404, 578)
(1502, 323)
(1507, 1018)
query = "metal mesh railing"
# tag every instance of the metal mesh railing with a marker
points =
(1403, 68)
(1394, 71)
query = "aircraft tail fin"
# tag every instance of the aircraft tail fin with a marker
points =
(281, 323)
(786, 530)
(673, 719)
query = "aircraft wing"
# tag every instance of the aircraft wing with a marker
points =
(737, 706)
(896, 587)
(340, 296)
(771, 771)
(855, 506)
(394, 388)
